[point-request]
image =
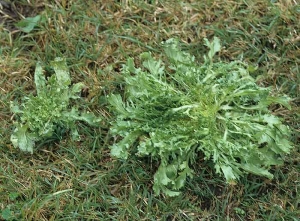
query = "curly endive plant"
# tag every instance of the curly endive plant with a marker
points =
(40, 116)
(172, 110)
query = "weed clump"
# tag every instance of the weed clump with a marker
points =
(172, 112)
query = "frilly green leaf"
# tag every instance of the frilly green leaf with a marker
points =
(39, 78)
(23, 139)
(61, 71)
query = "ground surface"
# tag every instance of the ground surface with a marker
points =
(69, 180)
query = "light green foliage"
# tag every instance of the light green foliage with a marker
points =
(42, 115)
(174, 110)
(28, 24)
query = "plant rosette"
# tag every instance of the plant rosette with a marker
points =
(172, 110)
(40, 116)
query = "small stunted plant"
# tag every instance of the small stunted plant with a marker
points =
(173, 110)
(40, 116)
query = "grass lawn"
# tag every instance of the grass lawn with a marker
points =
(79, 180)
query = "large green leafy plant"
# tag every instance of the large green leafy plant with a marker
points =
(173, 110)
(50, 111)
